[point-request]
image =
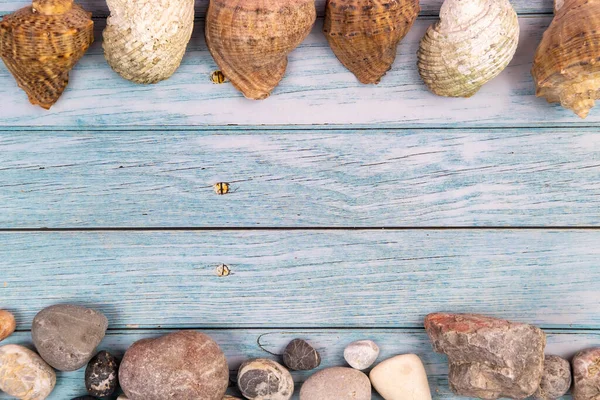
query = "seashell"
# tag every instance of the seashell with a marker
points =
(42, 43)
(145, 40)
(251, 39)
(473, 42)
(566, 67)
(364, 34)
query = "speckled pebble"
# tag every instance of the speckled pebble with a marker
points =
(361, 354)
(586, 375)
(7, 324)
(301, 356)
(556, 379)
(262, 379)
(337, 383)
(101, 375)
(24, 375)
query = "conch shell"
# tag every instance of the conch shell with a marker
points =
(42, 43)
(251, 39)
(145, 40)
(566, 67)
(471, 44)
(364, 34)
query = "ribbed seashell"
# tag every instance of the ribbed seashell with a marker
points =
(473, 42)
(364, 34)
(251, 39)
(42, 43)
(566, 68)
(145, 40)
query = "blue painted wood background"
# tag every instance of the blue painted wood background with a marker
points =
(354, 211)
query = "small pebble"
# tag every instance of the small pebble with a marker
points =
(337, 383)
(262, 379)
(24, 375)
(7, 324)
(586, 375)
(301, 356)
(361, 354)
(401, 378)
(101, 375)
(556, 379)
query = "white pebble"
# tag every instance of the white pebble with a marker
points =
(361, 354)
(401, 378)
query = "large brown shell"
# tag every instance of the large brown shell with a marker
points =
(42, 43)
(566, 67)
(251, 39)
(364, 34)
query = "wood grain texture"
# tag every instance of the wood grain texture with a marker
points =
(374, 178)
(239, 345)
(317, 90)
(315, 279)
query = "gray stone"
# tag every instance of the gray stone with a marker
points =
(488, 358)
(556, 380)
(101, 375)
(24, 375)
(66, 336)
(185, 365)
(262, 379)
(361, 354)
(337, 383)
(301, 356)
(586, 375)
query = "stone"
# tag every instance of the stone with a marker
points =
(66, 336)
(262, 379)
(185, 365)
(7, 324)
(401, 378)
(556, 379)
(361, 354)
(337, 383)
(488, 358)
(24, 375)
(84, 398)
(231, 398)
(101, 375)
(301, 356)
(122, 397)
(586, 375)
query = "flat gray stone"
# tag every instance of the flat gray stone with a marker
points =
(337, 383)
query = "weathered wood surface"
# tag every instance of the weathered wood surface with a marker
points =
(315, 279)
(316, 90)
(313, 178)
(429, 7)
(239, 345)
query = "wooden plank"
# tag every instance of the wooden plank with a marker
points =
(317, 279)
(373, 178)
(316, 91)
(429, 7)
(239, 345)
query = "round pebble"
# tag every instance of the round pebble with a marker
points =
(262, 379)
(301, 356)
(7, 324)
(401, 378)
(101, 375)
(337, 383)
(361, 354)
(66, 336)
(24, 375)
(556, 379)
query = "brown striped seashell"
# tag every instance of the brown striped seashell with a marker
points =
(364, 34)
(42, 43)
(566, 68)
(251, 39)
(145, 40)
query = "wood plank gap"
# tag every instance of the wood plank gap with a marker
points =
(297, 228)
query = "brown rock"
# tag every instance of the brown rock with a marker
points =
(586, 375)
(337, 383)
(7, 324)
(488, 358)
(185, 365)
(556, 379)
(301, 356)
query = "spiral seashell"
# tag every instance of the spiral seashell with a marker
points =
(145, 40)
(566, 68)
(471, 44)
(42, 43)
(251, 39)
(364, 34)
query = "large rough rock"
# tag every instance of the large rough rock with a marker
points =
(337, 383)
(586, 375)
(488, 358)
(556, 380)
(66, 336)
(184, 365)
(24, 375)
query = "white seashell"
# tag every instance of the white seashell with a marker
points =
(145, 40)
(471, 44)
